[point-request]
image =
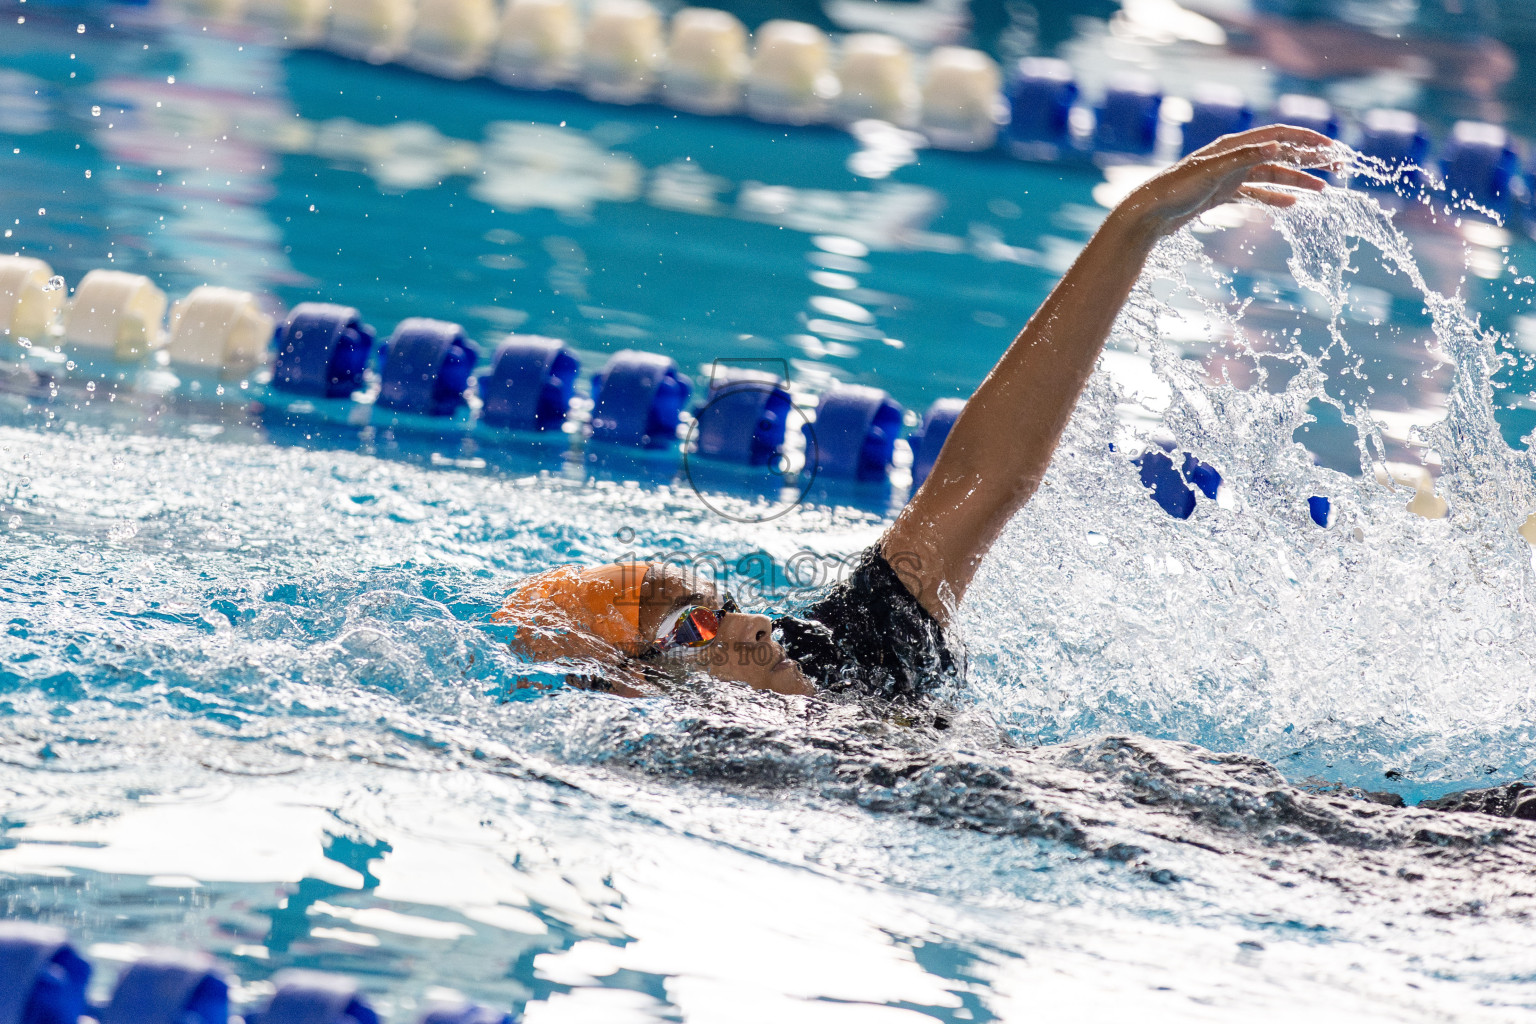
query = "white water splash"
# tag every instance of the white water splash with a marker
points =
(1384, 644)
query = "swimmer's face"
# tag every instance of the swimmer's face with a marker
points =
(742, 651)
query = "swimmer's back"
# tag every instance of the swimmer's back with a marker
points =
(868, 635)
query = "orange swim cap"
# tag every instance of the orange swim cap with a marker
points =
(603, 602)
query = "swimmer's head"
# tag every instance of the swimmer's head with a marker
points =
(618, 611)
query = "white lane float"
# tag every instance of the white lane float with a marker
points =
(962, 103)
(301, 22)
(790, 80)
(621, 51)
(538, 44)
(30, 298)
(706, 61)
(875, 72)
(371, 30)
(221, 10)
(218, 331)
(452, 38)
(115, 315)
(1425, 502)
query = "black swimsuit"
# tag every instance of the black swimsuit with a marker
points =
(868, 635)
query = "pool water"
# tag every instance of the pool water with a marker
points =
(250, 700)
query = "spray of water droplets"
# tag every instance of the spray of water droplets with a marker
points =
(1384, 647)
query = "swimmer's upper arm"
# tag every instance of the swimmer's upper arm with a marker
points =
(997, 453)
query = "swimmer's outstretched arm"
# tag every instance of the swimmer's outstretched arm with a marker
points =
(998, 451)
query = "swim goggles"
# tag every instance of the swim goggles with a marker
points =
(694, 625)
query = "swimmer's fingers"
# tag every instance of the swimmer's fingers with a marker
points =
(1280, 174)
(1268, 196)
(1277, 154)
(1284, 135)
(1210, 177)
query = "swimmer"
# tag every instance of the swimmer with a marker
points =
(881, 631)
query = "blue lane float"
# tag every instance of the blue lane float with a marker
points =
(1480, 162)
(928, 439)
(309, 997)
(744, 419)
(1173, 487)
(1040, 97)
(638, 399)
(426, 367)
(1202, 476)
(530, 385)
(1321, 510)
(1127, 118)
(42, 978)
(467, 1013)
(169, 987)
(43, 981)
(1397, 139)
(1305, 111)
(322, 351)
(1311, 112)
(1216, 110)
(855, 433)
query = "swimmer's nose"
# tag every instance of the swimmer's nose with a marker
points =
(741, 626)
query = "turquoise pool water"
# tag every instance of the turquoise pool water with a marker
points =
(250, 701)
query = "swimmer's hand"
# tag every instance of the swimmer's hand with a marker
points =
(1263, 165)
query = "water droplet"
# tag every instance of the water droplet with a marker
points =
(95, 110)
(90, 385)
(42, 211)
(55, 282)
(80, 29)
(170, 79)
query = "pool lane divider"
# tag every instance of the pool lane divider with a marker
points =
(316, 363)
(42, 978)
(326, 358)
(530, 384)
(745, 418)
(43, 981)
(704, 61)
(424, 368)
(638, 399)
(322, 350)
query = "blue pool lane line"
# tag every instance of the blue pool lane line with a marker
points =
(43, 981)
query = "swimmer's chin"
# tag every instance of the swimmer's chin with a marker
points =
(785, 677)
